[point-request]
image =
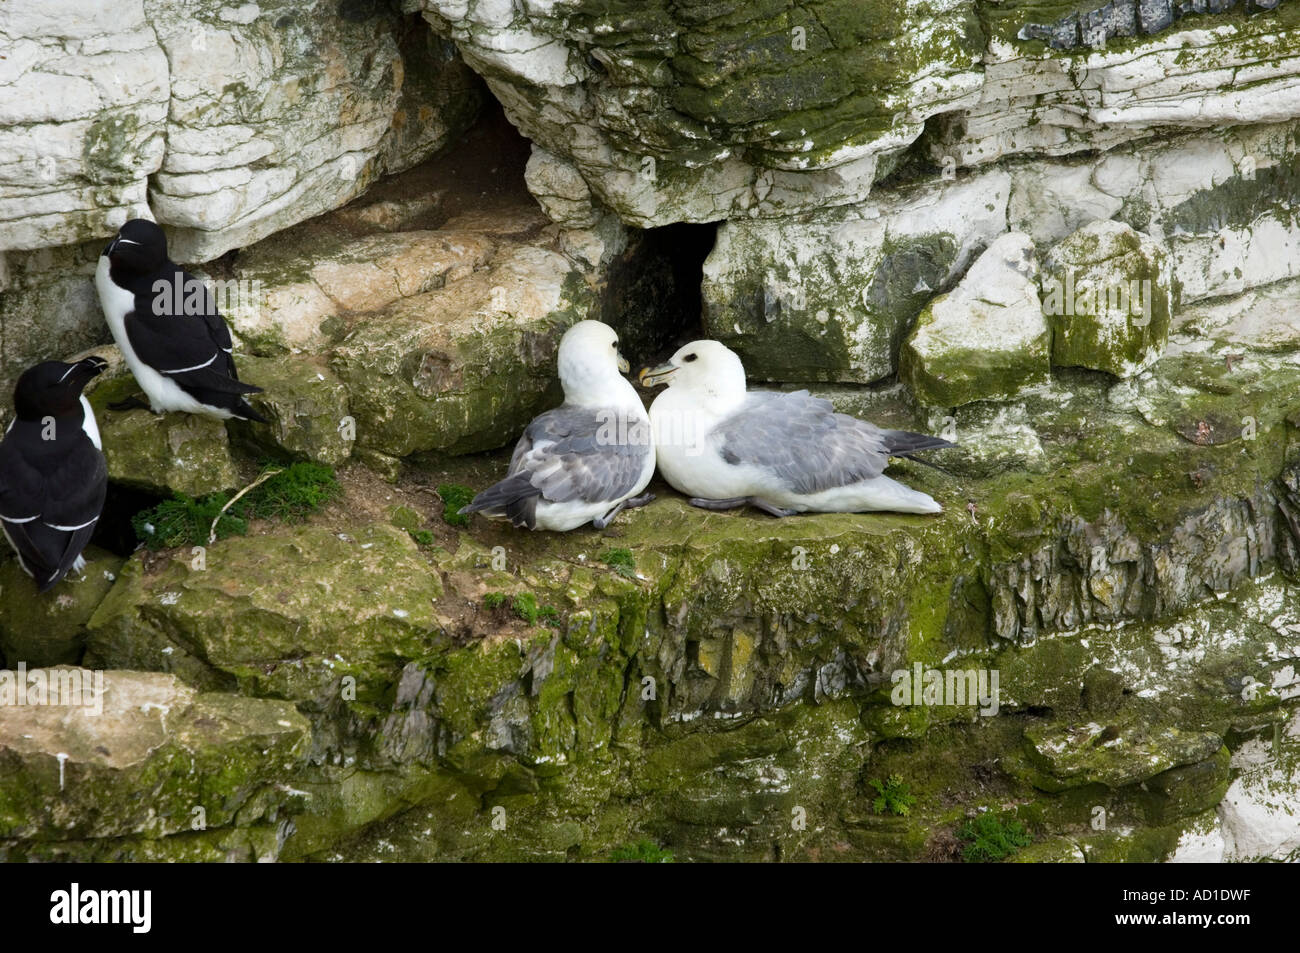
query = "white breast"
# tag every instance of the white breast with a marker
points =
(686, 459)
(90, 425)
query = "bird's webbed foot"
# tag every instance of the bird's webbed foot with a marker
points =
(728, 504)
(778, 511)
(600, 522)
(735, 501)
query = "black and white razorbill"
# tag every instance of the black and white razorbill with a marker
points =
(52, 474)
(168, 328)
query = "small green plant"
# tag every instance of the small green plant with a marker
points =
(621, 561)
(185, 521)
(641, 852)
(454, 496)
(293, 494)
(526, 607)
(290, 496)
(405, 518)
(989, 838)
(892, 796)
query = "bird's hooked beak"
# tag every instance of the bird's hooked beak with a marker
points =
(117, 240)
(85, 369)
(623, 366)
(654, 376)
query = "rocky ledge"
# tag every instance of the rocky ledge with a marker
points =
(725, 684)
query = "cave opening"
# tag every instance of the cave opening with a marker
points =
(654, 291)
(114, 531)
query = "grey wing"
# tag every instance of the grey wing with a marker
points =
(577, 453)
(802, 441)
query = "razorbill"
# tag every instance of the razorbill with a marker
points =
(724, 446)
(52, 474)
(168, 328)
(587, 459)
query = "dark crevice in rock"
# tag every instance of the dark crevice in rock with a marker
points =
(114, 531)
(653, 295)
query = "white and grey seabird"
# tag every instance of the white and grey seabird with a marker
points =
(784, 453)
(168, 328)
(53, 477)
(587, 459)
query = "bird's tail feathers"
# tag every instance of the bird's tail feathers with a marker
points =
(514, 498)
(924, 462)
(901, 443)
(205, 379)
(244, 410)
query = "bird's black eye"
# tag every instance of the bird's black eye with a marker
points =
(614, 345)
(689, 357)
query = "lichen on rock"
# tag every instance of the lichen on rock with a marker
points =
(1107, 290)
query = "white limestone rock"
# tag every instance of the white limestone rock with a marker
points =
(1224, 202)
(83, 108)
(987, 338)
(828, 297)
(697, 114)
(1033, 100)
(283, 110)
(229, 122)
(301, 283)
(1260, 813)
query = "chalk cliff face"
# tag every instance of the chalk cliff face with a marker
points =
(708, 111)
(1066, 235)
(225, 122)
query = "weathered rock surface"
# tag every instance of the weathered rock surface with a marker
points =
(245, 612)
(50, 629)
(828, 297)
(48, 307)
(987, 338)
(151, 765)
(686, 702)
(725, 111)
(241, 119)
(1260, 814)
(1108, 293)
(161, 453)
(84, 95)
(306, 405)
(712, 112)
(1224, 202)
(425, 374)
(1226, 68)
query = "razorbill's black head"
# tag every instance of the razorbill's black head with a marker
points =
(52, 474)
(53, 388)
(139, 248)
